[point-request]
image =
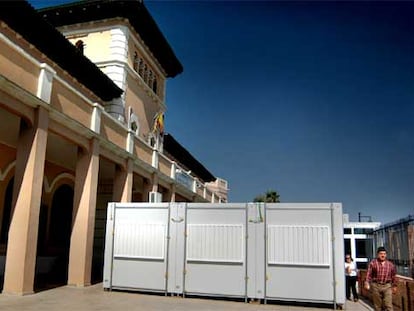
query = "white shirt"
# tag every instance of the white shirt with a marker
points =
(352, 267)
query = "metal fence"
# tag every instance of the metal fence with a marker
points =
(398, 239)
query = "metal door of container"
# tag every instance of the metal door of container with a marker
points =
(176, 236)
(136, 249)
(215, 255)
(300, 257)
(255, 251)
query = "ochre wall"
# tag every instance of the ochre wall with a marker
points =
(96, 45)
(18, 69)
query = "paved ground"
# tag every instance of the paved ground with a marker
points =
(95, 298)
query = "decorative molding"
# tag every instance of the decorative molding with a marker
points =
(133, 121)
(6, 172)
(116, 22)
(130, 141)
(119, 43)
(155, 158)
(116, 72)
(173, 168)
(45, 82)
(96, 118)
(109, 64)
(19, 50)
(48, 188)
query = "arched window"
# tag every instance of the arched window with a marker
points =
(145, 76)
(135, 62)
(145, 72)
(154, 85)
(141, 67)
(150, 78)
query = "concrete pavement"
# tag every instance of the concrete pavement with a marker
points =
(95, 298)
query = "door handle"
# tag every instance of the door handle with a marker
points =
(180, 219)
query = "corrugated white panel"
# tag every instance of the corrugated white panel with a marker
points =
(299, 245)
(135, 240)
(215, 243)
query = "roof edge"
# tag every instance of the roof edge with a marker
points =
(173, 147)
(134, 10)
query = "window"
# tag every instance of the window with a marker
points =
(135, 61)
(347, 230)
(141, 67)
(150, 78)
(145, 72)
(364, 248)
(347, 244)
(363, 231)
(154, 85)
(145, 75)
(362, 265)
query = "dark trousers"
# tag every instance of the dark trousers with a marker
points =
(350, 284)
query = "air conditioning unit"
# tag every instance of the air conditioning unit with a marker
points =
(155, 197)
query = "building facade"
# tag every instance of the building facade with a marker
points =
(219, 188)
(82, 102)
(359, 241)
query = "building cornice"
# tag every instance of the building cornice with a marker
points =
(134, 11)
(83, 29)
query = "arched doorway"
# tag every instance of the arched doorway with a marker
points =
(7, 207)
(5, 225)
(53, 254)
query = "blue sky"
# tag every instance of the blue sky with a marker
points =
(312, 99)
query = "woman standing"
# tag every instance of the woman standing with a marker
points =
(350, 278)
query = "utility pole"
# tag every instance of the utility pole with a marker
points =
(369, 218)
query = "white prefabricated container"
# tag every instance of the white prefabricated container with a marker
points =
(289, 252)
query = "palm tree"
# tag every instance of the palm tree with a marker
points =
(271, 196)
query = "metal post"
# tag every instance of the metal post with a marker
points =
(333, 256)
(168, 237)
(266, 249)
(246, 241)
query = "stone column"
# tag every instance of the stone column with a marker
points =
(123, 183)
(147, 187)
(84, 207)
(27, 194)
(172, 191)
(154, 182)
